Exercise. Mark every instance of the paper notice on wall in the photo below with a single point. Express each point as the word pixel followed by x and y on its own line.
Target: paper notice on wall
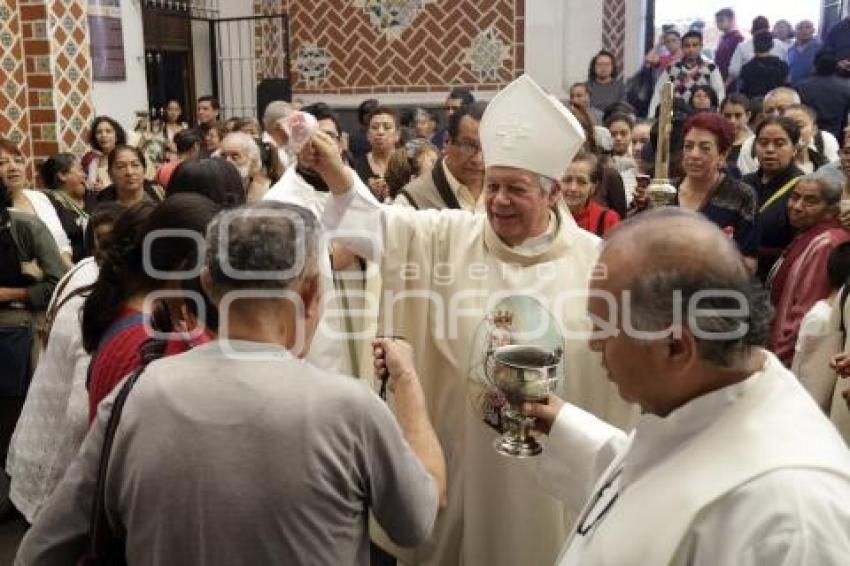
pixel 107 40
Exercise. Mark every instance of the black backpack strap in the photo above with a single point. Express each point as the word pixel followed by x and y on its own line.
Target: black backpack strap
pixel 409 198
pixel 54 307
pixel 104 546
pixel 442 184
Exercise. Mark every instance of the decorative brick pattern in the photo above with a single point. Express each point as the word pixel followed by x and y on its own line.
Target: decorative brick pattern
pixel 391 17
pixel 614 30
pixel 269 47
pixel 468 42
pixel 14 102
pixel 72 73
pixel 38 79
pixel 45 100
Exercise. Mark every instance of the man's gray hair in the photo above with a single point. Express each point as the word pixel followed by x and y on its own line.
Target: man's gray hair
pixel 265 245
pixel 784 90
pixel 546 184
pixel 725 309
pixel 830 191
pixel 274 112
pixel 248 144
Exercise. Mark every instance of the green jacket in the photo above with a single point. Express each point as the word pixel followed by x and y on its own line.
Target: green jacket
pixel 34 242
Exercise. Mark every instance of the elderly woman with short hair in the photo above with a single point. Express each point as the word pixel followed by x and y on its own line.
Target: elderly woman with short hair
pixel 799 279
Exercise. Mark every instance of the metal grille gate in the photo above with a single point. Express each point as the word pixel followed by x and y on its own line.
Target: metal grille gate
pixel 238 52
pixel 247 51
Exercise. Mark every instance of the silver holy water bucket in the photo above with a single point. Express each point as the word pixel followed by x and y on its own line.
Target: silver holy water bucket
pixel 523 373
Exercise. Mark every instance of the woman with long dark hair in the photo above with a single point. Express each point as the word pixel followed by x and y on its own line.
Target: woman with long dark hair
pixel 216 179
pixel 603 85
pixel 777 140
pixel 104 136
pixel 117 314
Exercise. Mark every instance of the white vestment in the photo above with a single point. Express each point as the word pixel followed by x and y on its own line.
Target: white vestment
pixel 55 416
pixel 751 474
pixel 343 339
pixel 453 271
pixel 812 365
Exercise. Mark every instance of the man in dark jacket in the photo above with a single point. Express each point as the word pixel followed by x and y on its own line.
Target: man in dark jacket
pixel 457 179
pixel 766 71
pixel 730 39
pixel 827 94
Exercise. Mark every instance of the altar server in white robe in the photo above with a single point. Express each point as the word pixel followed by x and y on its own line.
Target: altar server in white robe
pixel 732 462
pixel 343 339
pixel 447 275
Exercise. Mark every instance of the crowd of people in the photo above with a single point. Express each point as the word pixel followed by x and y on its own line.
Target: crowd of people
pixel 156 401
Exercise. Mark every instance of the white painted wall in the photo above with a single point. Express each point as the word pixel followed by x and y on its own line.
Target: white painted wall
pixel 546 42
pixel 122 99
pixel 561 36
pixel 202 58
pixel 635 36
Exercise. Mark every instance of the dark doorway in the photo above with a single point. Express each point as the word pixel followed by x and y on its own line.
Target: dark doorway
pixel 169 64
pixel 169 77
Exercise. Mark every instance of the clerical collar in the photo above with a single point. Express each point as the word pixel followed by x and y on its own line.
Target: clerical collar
pixel 656 437
pixel 538 244
pixel 312 178
pixel 552 245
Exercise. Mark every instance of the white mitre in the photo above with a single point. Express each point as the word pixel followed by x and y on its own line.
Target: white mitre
pixel 526 128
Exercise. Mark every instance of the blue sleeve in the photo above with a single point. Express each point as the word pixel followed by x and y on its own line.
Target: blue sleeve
pixel 748 237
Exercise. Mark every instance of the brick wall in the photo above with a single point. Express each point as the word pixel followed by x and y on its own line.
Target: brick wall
pixel 39 79
pixel 360 47
pixel 269 46
pixel 45 99
pixel 14 112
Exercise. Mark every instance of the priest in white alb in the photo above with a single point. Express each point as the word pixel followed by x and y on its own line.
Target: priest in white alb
pixel 449 278
pixel 343 340
pixel 732 462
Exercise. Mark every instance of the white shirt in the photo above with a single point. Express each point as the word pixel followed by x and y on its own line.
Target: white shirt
pixel 47 214
pixel 54 419
pixel 344 292
pixel 814 325
pixel 749 163
pixel 462 192
pixel 786 516
pixel 745 52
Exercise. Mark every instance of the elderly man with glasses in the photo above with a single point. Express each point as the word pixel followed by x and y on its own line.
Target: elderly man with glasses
pixel 457 179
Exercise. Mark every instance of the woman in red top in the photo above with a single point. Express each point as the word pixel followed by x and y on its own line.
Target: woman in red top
pixel 117 317
pixel 578 185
